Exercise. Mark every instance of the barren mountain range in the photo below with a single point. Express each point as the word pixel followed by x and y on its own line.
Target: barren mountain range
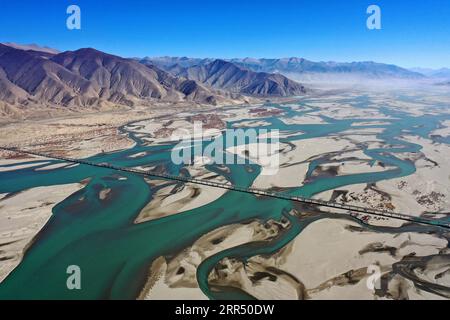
pixel 299 68
pixel 90 78
pixel 222 74
pixel 35 77
pixel 41 77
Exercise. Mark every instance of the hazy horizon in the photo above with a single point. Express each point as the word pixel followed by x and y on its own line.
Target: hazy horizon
pixel 412 35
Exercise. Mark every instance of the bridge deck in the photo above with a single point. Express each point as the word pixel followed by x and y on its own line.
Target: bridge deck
pixel 278 195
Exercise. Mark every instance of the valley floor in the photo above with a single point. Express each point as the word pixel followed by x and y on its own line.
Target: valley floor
pixel 330 258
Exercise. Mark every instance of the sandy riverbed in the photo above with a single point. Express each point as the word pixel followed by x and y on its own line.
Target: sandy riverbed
pixel 22 216
pixel 336 267
pixel 425 191
pixel 175 279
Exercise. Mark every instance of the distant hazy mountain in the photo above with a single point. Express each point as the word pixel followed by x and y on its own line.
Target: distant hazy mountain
pixel 443 73
pixel 169 62
pixel 89 78
pixel 302 66
pixel 302 69
pixel 225 75
pixel 445 83
pixel 424 71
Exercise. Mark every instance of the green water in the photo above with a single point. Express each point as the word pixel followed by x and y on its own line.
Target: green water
pixel 114 254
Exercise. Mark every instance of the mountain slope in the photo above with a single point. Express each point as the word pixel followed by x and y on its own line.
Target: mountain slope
pixel 42 79
pixel 31 47
pixel 9 92
pixel 226 75
pixel 117 79
pixel 89 78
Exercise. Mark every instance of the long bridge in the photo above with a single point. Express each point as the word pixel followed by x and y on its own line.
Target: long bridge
pixel 255 191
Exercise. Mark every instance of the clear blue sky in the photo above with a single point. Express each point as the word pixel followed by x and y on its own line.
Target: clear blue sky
pixel 415 33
